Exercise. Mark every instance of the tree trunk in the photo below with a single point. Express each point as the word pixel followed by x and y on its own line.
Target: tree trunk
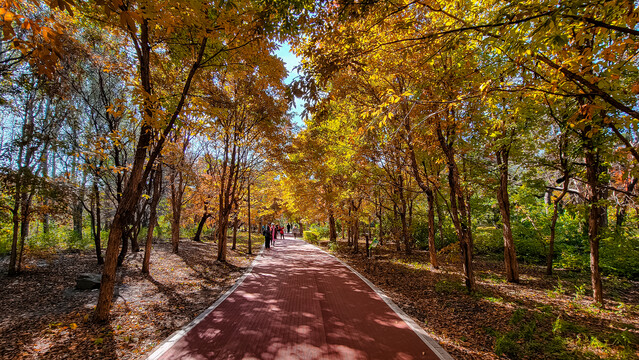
pixel 368 245
pixel 432 251
pixel 250 251
pixel 13 259
pixel 356 225
pixel 235 223
pixel 24 222
pixel 77 219
pixel 593 172
pixel 622 209
pixel 459 211
pixel 402 217
pixel 177 194
pixel 155 199
pixel 510 255
pixel 221 238
pixel 395 236
pixel 331 223
pixel 45 173
pixel 125 244
pixel 200 226
pixel 379 218
pixel 440 220
pixel 553 225
pixel 135 230
pixel 349 232
pixel 356 236
pixel 97 226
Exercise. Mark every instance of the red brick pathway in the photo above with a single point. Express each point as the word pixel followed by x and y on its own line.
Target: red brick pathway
pixel 300 303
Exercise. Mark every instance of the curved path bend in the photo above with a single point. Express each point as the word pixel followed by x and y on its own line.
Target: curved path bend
pixel 299 302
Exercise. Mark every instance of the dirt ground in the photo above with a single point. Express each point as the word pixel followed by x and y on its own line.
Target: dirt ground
pixel 44 317
pixel 543 317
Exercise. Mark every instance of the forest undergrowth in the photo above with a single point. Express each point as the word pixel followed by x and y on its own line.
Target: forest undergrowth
pixel 44 317
pixel 543 317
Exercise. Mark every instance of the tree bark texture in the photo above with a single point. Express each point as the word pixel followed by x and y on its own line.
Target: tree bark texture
pixel 177 193
pixel 553 225
pixel 510 255
pixel 155 199
pixel 459 210
pixel 332 233
pixel 593 171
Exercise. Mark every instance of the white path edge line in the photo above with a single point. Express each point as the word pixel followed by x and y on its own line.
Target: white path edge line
pixel 421 333
pixel 176 336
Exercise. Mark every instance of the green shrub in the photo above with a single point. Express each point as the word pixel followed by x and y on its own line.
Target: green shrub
pixel 74 241
pixel 311 237
pixel 570 259
pixel 528 340
pixel 488 240
pixel 420 234
pixel 619 254
pixel 333 246
pixel 506 344
pixel 321 231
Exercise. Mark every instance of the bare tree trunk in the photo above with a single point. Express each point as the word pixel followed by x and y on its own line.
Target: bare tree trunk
pixel 250 251
pixel 96 223
pixel 155 199
pixel 235 222
pixel 368 246
pixel 432 251
pixel 356 236
pixel 621 210
pixel 200 226
pixel 356 225
pixel 510 255
pixel 459 211
pixel 349 234
pixel 394 229
pixel 593 171
pixel 379 218
pixel 176 181
pixel 13 259
pixel 24 223
pixel 77 208
pixel 440 220
pixel 553 225
pixel 45 173
pixel 331 223
pixel 221 238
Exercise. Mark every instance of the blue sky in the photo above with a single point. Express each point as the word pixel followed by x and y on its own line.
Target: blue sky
pixel 291 61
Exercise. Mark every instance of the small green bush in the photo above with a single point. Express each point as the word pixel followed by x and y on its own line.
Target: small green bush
pixel 488 240
pixel 321 231
pixel 506 344
pixel 311 237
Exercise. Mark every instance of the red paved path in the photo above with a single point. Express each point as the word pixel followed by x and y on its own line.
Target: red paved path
pixel 300 303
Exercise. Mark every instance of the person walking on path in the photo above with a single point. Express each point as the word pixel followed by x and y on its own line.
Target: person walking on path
pixel 281 232
pixel 273 233
pixel 288 228
pixel 267 238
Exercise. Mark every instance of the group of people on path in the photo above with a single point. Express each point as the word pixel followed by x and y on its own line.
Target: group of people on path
pixel 271 232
